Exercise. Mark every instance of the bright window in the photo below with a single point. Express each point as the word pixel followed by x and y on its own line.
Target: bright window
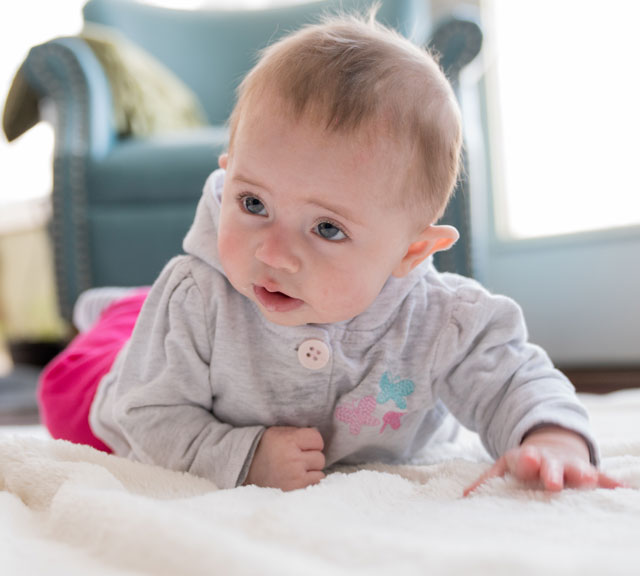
pixel 26 163
pixel 564 114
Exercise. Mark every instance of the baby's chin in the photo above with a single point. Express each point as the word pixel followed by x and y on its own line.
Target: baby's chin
pixel 286 322
pixel 299 317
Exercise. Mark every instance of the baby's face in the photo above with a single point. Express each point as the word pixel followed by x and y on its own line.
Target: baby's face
pixel 307 229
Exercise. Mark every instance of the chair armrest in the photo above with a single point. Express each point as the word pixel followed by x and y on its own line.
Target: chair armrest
pixel 65 74
pixel 457 40
pixel 64 80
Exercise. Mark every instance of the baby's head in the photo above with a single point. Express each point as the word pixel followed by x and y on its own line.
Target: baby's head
pixel 344 150
pixel 354 78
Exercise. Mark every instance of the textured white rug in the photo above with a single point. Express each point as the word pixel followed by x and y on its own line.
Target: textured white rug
pixel 67 509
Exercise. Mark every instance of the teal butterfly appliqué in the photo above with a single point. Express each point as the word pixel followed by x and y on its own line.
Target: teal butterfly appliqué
pixel 396 390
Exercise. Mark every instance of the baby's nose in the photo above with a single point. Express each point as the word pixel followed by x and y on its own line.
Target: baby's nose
pixel 277 250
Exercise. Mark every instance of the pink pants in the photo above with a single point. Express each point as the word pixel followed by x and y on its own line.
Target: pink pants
pixel 69 382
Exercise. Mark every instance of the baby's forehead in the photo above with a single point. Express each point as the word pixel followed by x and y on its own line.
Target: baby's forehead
pixel 267 127
pixel 375 132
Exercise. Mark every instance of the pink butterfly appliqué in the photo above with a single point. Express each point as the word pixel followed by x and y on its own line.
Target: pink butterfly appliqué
pixel 358 415
pixel 393 419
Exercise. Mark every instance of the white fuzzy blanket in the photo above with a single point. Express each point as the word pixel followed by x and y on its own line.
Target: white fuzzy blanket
pixel 70 510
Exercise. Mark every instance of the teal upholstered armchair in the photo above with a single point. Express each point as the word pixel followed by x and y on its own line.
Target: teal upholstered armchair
pixel 135 139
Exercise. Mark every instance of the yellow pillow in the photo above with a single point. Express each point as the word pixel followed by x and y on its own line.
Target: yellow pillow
pixel 147 97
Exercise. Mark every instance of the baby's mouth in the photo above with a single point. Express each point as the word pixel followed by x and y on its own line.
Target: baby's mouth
pixel 276 301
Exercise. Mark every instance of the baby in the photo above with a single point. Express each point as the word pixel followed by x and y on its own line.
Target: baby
pixel 306 325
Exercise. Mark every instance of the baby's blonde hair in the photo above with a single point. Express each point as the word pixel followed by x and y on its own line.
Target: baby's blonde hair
pixel 350 75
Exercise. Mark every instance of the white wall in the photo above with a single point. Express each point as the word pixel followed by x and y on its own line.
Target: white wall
pixel 580 295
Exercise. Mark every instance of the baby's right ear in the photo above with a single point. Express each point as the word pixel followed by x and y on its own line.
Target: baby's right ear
pixel 223 160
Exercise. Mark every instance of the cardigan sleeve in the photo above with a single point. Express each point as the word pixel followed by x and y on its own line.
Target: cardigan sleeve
pixel 497 383
pixel 161 392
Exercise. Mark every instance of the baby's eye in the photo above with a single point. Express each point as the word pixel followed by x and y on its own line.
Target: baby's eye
pixel 253 205
pixel 330 231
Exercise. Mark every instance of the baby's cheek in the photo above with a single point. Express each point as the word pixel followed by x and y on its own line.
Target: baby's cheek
pixel 350 296
pixel 229 251
pixel 367 289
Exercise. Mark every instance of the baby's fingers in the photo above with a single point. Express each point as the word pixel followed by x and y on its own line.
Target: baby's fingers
pixel 581 475
pixel 498 470
pixel 552 474
pixel 605 481
pixel 314 460
pixel 584 475
pixel 522 463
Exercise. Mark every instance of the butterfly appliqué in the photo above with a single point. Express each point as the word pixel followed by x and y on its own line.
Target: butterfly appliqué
pixel 358 414
pixel 392 419
pixel 395 390
pixel 361 413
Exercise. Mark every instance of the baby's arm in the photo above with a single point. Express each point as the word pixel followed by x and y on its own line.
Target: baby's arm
pixel 288 458
pixel 498 384
pixel 553 457
pixel 158 407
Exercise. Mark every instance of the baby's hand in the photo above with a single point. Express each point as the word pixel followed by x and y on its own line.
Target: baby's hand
pixel 554 457
pixel 287 458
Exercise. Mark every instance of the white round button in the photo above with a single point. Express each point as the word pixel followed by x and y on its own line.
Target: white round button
pixel 313 354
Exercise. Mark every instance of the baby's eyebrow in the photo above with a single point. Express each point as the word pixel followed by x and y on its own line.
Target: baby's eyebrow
pixel 246 180
pixel 339 210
